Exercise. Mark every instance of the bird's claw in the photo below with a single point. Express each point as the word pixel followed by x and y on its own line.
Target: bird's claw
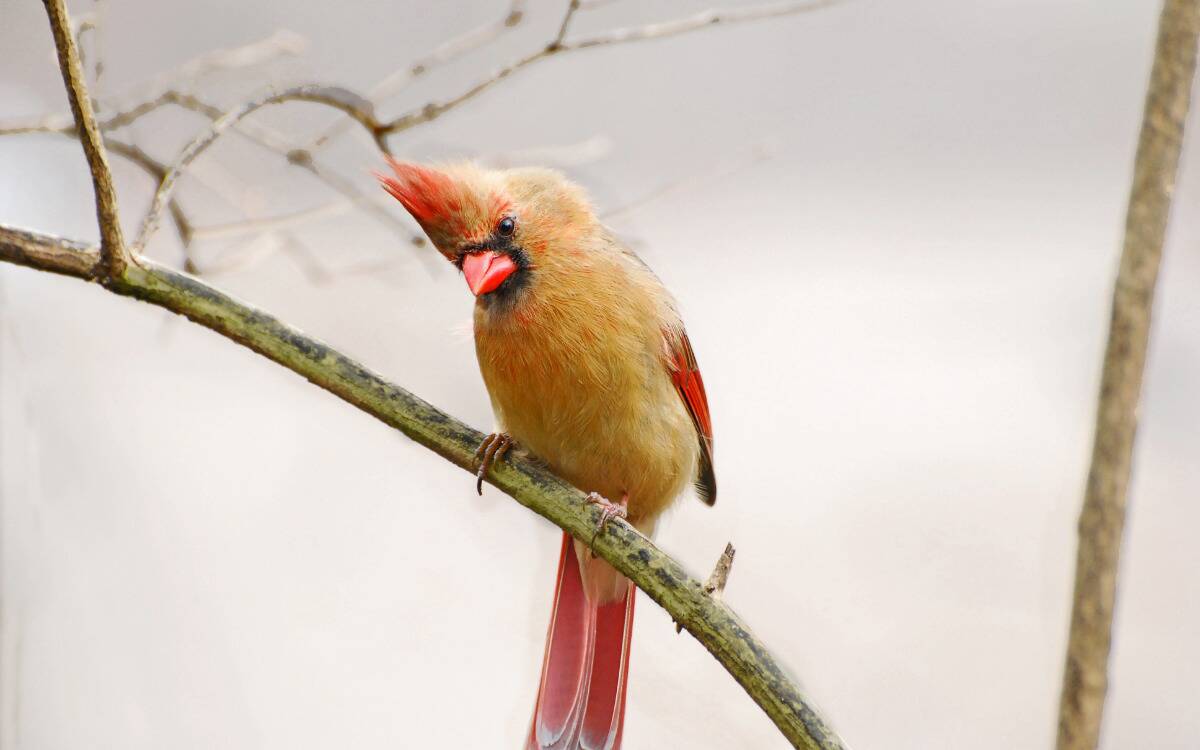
pixel 490 452
pixel 608 511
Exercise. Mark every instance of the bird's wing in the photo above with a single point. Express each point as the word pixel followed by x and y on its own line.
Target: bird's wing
pixel 685 373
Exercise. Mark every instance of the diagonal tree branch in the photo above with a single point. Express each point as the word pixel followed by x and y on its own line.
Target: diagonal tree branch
pixel 1102 521
pixel 112 245
pixel 664 580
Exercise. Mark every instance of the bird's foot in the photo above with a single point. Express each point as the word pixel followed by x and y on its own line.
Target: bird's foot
pixel 608 511
pixel 491 451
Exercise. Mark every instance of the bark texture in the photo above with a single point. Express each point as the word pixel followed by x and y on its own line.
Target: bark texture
pixel 1085 678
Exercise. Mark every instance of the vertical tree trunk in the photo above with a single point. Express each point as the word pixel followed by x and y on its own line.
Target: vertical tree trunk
pixel 1085 680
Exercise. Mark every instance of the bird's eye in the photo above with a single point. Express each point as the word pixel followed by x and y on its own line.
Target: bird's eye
pixel 507 226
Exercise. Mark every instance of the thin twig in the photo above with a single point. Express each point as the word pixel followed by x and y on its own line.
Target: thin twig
pixel 572 9
pixel 112 244
pixel 119 119
pixel 366 201
pixel 444 53
pixel 359 109
pixel 715 586
pixel 342 99
pixel 1101 523
pixel 435 109
pixel 158 170
pixel 91 22
pixel 701 20
pixel 726 635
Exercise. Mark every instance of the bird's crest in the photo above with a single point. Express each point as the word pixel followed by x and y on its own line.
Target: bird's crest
pixel 454 206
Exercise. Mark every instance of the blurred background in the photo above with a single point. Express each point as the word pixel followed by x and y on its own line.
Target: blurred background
pixel 892 229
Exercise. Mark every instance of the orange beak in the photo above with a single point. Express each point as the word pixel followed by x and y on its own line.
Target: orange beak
pixel 486 270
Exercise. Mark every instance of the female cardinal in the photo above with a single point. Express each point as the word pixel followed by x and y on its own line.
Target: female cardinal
pixel 588 367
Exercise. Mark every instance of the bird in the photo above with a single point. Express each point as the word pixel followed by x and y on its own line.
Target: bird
pixel 588 368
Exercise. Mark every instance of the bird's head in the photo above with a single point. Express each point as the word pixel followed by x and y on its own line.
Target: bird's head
pixel 501 228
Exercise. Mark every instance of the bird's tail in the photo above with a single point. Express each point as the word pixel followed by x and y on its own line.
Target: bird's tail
pixel 581 701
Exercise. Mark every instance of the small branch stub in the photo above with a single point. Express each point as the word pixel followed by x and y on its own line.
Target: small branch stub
pixel 720 575
pixel 715 586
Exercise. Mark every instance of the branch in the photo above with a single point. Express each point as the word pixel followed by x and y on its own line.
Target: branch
pixel 572 9
pixel 715 586
pixel 442 54
pixel 433 110
pixel 346 101
pixel 112 245
pixel 1085 679
pixel 699 21
pixel 713 623
pixel 158 170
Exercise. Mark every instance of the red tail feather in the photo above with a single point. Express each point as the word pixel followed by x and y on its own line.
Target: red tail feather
pixel 581 701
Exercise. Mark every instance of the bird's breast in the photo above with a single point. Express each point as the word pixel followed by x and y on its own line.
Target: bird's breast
pixel 585 389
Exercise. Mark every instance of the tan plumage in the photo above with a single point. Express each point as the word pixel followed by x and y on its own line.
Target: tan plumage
pixel 576 374
pixel 588 367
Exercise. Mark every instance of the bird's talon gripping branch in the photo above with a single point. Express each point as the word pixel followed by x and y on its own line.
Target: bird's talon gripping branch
pixel 491 451
pixel 608 511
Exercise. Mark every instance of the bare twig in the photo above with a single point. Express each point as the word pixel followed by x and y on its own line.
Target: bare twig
pixel 341 99
pixel 263 137
pixel 442 54
pixel 728 637
pixel 112 244
pixel 720 575
pixel 1085 678
pixel 700 21
pixel 90 22
pixel 433 110
pixel 158 170
pixel 171 96
pixel 366 201
pixel 119 119
pixel 360 111
pixel 715 586
pixel 572 9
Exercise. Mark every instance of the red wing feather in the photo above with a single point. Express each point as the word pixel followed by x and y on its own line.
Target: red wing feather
pixel 685 373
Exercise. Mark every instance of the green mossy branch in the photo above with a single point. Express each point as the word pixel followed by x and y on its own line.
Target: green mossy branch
pixel 664 580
